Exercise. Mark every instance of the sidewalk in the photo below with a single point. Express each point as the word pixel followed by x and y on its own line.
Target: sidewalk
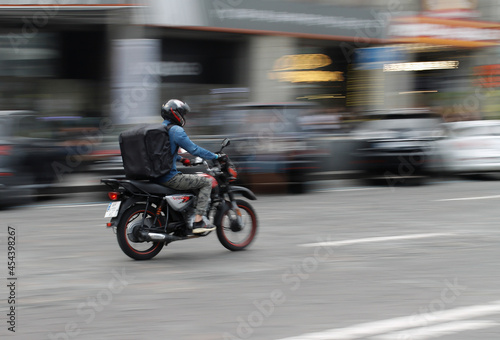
pixel 76 183
pixel 88 182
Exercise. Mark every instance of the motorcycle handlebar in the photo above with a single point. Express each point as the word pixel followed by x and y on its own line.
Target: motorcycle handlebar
pixel 200 161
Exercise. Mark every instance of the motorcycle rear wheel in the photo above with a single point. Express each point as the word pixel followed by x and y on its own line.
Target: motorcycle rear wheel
pixel 127 233
pixel 233 236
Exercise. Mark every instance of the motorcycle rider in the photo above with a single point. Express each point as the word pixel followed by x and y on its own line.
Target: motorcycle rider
pixel 174 112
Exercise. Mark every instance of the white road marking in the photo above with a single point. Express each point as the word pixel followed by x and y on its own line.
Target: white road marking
pixel 437 331
pixel 468 198
pixel 344 189
pixel 361 331
pixel 373 239
pixel 76 205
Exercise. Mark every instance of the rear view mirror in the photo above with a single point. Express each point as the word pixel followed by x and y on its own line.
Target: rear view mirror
pixel 225 143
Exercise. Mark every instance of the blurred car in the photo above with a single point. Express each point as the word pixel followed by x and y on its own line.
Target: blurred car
pixel 270 145
pixel 26 155
pixel 37 152
pixel 398 144
pixel 471 147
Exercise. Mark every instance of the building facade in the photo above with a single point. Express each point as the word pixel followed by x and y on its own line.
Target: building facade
pixel 123 58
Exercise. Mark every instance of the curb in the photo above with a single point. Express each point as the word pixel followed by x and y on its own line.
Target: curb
pixel 93 184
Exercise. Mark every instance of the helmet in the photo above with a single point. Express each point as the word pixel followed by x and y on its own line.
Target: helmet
pixel 175 110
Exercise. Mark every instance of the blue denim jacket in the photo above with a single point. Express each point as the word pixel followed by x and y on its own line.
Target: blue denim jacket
pixel 179 138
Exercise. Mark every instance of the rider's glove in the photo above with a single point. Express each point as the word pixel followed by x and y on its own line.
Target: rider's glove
pixel 222 157
pixel 185 161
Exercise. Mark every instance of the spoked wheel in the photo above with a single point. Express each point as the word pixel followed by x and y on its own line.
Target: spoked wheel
pixel 128 233
pixel 233 235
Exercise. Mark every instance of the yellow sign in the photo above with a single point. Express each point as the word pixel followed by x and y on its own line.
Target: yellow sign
pixel 290 68
pixel 307 76
pixel 301 62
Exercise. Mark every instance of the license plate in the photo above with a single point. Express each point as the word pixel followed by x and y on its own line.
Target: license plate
pixel 113 208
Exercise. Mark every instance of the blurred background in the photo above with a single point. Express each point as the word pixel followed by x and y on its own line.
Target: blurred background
pixel 308 90
pixel 334 101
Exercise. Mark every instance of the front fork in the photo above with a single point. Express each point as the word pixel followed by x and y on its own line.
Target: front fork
pixel 234 207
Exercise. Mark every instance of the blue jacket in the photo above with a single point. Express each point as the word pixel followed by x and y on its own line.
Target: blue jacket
pixel 179 138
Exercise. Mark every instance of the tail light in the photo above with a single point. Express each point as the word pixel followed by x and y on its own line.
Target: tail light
pixel 5 150
pixel 114 196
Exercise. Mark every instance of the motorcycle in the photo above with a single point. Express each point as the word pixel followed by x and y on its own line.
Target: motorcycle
pixel 147 216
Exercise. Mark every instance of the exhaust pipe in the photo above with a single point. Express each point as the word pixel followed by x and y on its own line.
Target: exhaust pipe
pixel 159 237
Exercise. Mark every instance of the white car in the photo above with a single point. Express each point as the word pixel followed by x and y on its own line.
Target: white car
pixel 471 147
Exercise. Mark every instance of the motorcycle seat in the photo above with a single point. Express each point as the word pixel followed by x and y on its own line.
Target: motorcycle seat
pixel 151 188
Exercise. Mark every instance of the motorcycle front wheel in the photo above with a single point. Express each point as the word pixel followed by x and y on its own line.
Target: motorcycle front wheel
pixel 231 234
pixel 127 233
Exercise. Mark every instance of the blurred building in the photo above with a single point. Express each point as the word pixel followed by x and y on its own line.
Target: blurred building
pixel 262 51
pixel 55 55
pixel 451 50
pixel 122 58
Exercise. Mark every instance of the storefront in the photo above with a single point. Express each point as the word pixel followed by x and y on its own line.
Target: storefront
pixel 55 58
pixel 448 52
pixel 277 51
pixel 207 73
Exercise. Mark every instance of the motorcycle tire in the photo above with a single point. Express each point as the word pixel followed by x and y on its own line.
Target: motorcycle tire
pixel 130 222
pixel 232 236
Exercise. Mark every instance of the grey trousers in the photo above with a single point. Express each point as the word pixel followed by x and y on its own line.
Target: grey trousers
pixel 193 182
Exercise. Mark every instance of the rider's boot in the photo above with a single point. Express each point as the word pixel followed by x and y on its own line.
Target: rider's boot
pixel 202 226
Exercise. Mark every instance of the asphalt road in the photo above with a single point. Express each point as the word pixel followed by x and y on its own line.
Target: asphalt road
pixel 341 262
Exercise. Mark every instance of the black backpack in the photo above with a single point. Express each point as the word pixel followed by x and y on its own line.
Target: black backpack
pixel 146 151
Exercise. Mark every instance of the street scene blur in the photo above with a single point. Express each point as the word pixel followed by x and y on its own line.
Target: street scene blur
pixel 293 81
pixel 368 130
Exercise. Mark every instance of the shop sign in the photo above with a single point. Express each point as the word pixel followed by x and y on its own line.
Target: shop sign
pixel 174 68
pixel 438 31
pixel 421 66
pixel 304 68
pixel 373 58
pixel 193 70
